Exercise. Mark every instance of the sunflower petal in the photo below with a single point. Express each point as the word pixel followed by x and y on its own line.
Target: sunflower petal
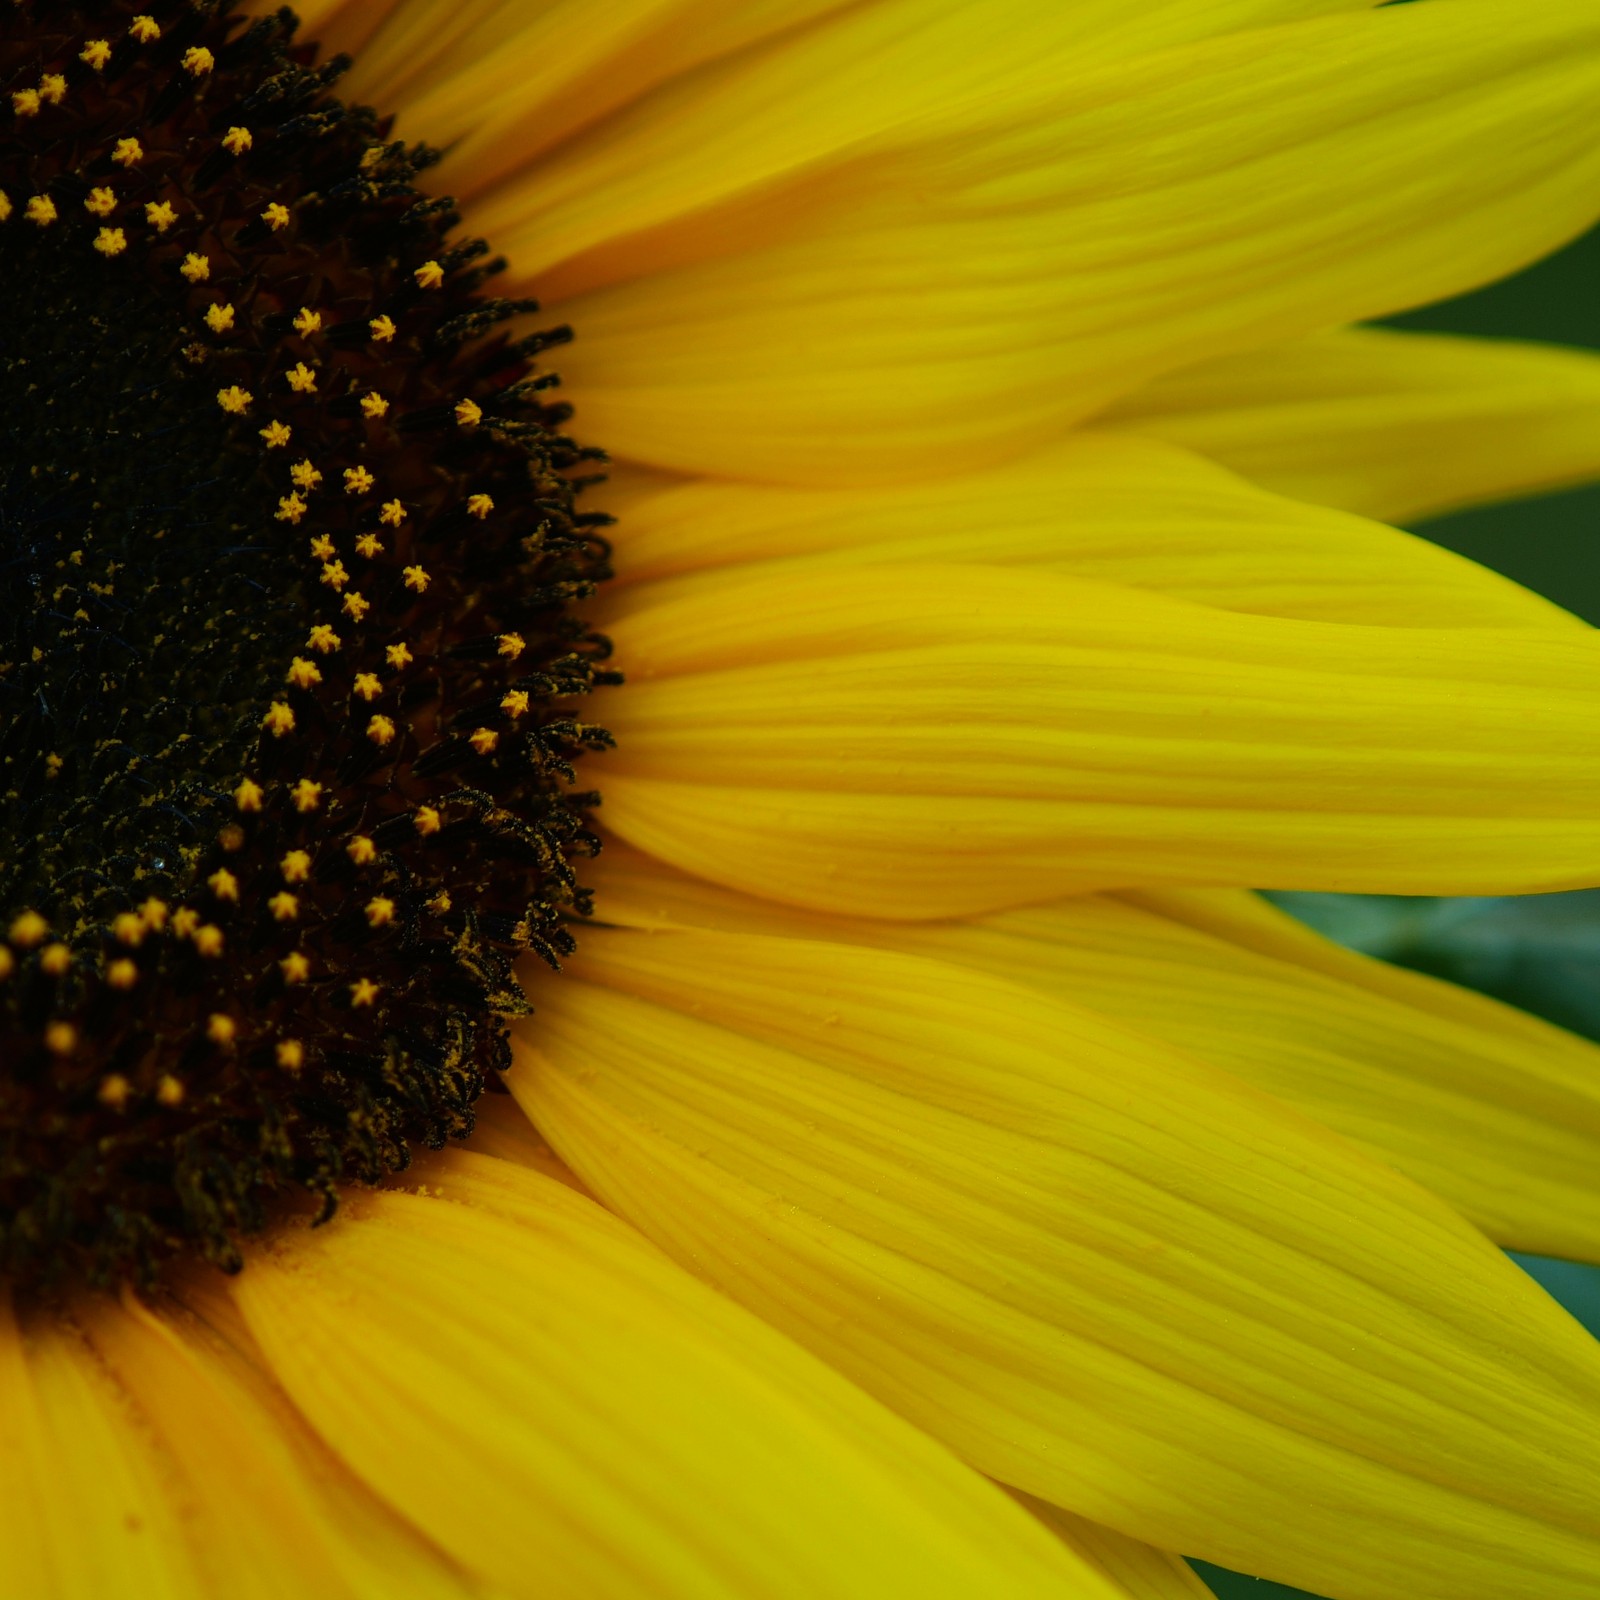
pixel 1144 1571
pixel 943 304
pixel 571 1416
pixel 945 740
pixel 1099 505
pixel 1392 425
pixel 89 1512
pixel 1108 1275
pixel 271 1514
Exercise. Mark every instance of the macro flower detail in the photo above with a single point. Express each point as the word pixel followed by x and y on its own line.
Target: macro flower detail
pixel 923 1166
pixel 154 625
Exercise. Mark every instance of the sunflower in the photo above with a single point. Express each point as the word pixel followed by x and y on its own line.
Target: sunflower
pixel 932 1172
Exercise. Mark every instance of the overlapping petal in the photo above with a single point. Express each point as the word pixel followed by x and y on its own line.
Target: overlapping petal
pixel 1102 505
pixel 1146 1573
pixel 1389 424
pixel 1109 1275
pixel 970 738
pixel 950 283
pixel 1494 1110
pixel 571 1417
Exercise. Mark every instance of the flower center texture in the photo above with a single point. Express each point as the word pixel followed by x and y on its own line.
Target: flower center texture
pixel 289 645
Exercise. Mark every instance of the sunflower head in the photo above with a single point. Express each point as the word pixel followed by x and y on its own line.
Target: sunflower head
pixel 289 655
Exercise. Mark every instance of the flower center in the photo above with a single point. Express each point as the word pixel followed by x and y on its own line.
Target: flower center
pixel 285 685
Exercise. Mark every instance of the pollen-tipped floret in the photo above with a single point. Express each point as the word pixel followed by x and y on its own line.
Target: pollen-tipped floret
pixel 287 785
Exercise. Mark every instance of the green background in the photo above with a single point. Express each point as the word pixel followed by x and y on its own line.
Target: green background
pixel 1541 952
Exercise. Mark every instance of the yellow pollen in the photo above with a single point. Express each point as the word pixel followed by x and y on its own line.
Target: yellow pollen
pixel 483 740
pixel 305 475
pixel 303 674
pixel 276 216
pixel 279 719
pixel 231 837
pixel 284 906
pixel 159 214
pixel 440 903
pixel 5 205
pixel 219 319
pixel 223 884
pixel 301 378
pixel 430 275
pixel 248 795
pixel 322 547
pixel 234 400
pixel 357 480
pixel 237 140
pixel 25 102
pixel 127 153
pixel 111 241
pixel 96 54
pixel 363 992
pixel 397 655
pixel 114 1088
pixel 8 963
pixel 367 685
pixel 154 913
pixel 369 545
pixel 145 29
pixel 417 579
pixel 55 959
pixel 427 820
pixel 323 639
pixel 392 513
pixel 276 434
pixel 184 921
pixel 383 328
pixel 469 414
pixel 198 60
pixel 296 866
pixel 515 703
pixel 380 730
pixel 295 967
pixel 169 1091
pixel 512 645
pixel 373 404
pixel 380 911
pixel 122 974
pixel 479 506
pixel 208 940
pixel 29 929
pixel 53 88
pixel 196 268
pixel 306 794
pixel 41 209
pixel 220 1028
pixel 128 927
pixel 101 202
pixel 291 1053
pixel 61 1039
pixel 334 574
pixel 307 322
pixel 54 762
pixel 357 605
pixel 290 508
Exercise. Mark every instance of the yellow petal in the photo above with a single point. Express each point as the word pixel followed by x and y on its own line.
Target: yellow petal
pixel 1108 1275
pixel 928 741
pixel 1145 1572
pixel 1494 1110
pixel 937 306
pixel 89 1508
pixel 571 1417
pixel 1099 505
pixel 1392 425
pixel 271 1515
